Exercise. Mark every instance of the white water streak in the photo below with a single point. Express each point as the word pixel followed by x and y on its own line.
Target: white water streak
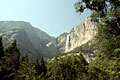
pixel 67 42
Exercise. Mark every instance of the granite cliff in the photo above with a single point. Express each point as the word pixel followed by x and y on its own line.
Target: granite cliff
pixel 30 40
pixel 37 43
pixel 78 36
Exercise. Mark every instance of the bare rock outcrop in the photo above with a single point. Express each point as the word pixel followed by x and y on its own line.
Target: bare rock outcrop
pixel 79 35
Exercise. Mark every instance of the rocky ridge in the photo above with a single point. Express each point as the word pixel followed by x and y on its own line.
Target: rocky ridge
pixel 30 40
pixel 79 35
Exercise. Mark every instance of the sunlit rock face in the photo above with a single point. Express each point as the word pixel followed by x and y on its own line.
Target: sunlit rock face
pixel 79 35
pixel 82 33
pixel 37 43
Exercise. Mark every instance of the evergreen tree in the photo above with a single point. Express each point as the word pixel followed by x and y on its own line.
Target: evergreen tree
pixel 12 49
pixel 43 67
pixel 26 70
pixel 13 55
pixel 10 63
pixel 1 48
pixel 31 69
pixel 68 68
pixel 38 67
pixel 107 15
pixel 106 65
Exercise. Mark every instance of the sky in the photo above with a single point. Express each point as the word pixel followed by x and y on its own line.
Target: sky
pixel 52 16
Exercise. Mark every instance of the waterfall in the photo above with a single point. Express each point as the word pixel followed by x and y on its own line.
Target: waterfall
pixel 67 42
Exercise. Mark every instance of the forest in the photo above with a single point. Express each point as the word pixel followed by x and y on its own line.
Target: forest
pixel 106 66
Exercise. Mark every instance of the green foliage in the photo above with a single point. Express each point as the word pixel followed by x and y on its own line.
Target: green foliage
pixel 106 65
pixel 107 45
pixel 85 48
pixel 109 48
pixel 30 69
pixel 12 48
pixel 14 67
pixel 68 68
pixel 9 63
pixel 26 70
pixel 1 48
pixel 106 13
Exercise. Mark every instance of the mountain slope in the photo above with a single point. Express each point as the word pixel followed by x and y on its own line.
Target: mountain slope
pixel 29 39
pixel 79 35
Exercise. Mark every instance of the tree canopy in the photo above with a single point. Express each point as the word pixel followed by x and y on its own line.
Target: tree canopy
pixel 106 48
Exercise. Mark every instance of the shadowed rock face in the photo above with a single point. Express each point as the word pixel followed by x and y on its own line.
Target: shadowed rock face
pixel 79 35
pixel 37 43
pixel 30 40
pixel 57 45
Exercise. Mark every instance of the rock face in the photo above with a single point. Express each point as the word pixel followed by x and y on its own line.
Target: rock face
pixel 79 35
pixel 57 45
pixel 82 33
pixel 30 40
pixel 37 43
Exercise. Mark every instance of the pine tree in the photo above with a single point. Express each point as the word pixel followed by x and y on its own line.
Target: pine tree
pixel 38 67
pixel 11 61
pixel 12 49
pixel 43 67
pixel 27 69
pixel 107 15
pixel 68 68
pixel 1 48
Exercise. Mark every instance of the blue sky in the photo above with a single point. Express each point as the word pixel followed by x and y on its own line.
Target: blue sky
pixel 52 16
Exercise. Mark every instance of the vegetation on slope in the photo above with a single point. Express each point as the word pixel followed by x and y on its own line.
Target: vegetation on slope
pixel 106 66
